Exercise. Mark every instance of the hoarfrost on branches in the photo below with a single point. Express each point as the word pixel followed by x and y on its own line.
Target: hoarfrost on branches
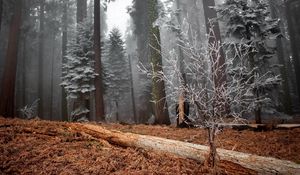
pixel 79 69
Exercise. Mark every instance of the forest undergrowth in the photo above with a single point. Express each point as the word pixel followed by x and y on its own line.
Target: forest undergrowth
pixel 45 147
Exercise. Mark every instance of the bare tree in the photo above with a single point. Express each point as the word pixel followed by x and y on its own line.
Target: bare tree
pixel 202 89
pixel 210 17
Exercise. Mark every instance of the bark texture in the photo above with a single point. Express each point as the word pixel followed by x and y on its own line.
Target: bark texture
pixel 285 96
pixel 158 86
pixel 1 8
pixel 64 103
pixel 41 58
pixel 9 76
pixel 293 12
pixel 99 104
pixel 262 165
pixel 10 68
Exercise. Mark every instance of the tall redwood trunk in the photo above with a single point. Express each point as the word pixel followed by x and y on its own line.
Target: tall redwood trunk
pixel 10 69
pixel 99 104
pixel 285 96
pixel 64 108
pixel 293 12
pixel 158 86
pixel 132 92
pixel 41 57
pixel 81 12
pixel 52 34
pixel 1 8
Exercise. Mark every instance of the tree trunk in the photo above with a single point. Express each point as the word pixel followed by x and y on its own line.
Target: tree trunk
pixel 52 76
pixel 258 110
pixel 181 114
pixel 81 12
pixel 1 8
pixel 24 73
pixel 181 99
pixel 10 69
pixel 99 102
pixel 64 105
pixel 117 110
pixel 158 86
pixel 132 91
pixel 293 12
pixel 41 58
pixel 262 165
pixel 140 19
pixel 285 97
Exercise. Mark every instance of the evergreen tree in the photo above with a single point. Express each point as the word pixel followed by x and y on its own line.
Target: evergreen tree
pixel 250 23
pixel 116 69
pixel 79 70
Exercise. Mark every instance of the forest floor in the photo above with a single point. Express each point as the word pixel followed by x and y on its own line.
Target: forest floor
pixel 44 147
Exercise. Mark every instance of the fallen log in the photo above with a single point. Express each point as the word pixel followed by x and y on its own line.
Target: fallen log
pixel 259 127
pixel 262 165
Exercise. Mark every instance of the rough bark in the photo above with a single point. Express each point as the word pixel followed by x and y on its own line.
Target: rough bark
pixel 140 19
pixel 26 16
pixel 81 12
pixel 285 97
pixel 181 98
pixel 64 104
pixel 10 69
pixel 99 102
pixel 1 8
pixel 41 58
pixel 158 86
pixel 132 91
pixel 117 110
pixel 51 117
pixel 293 12
pixel 262 165
pixel 180 110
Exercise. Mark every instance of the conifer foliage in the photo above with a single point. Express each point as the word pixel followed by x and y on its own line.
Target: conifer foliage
pixel 116 68
pixel 79 70
pixel 249 23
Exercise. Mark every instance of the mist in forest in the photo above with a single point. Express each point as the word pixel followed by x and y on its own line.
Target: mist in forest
pixel 142 61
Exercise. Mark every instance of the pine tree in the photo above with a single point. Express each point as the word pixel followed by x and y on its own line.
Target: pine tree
pixel 250 23
pixel 79 72
pixel 116 69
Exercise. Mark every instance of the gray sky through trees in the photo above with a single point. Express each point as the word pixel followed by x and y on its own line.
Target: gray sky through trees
pixel 117 15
